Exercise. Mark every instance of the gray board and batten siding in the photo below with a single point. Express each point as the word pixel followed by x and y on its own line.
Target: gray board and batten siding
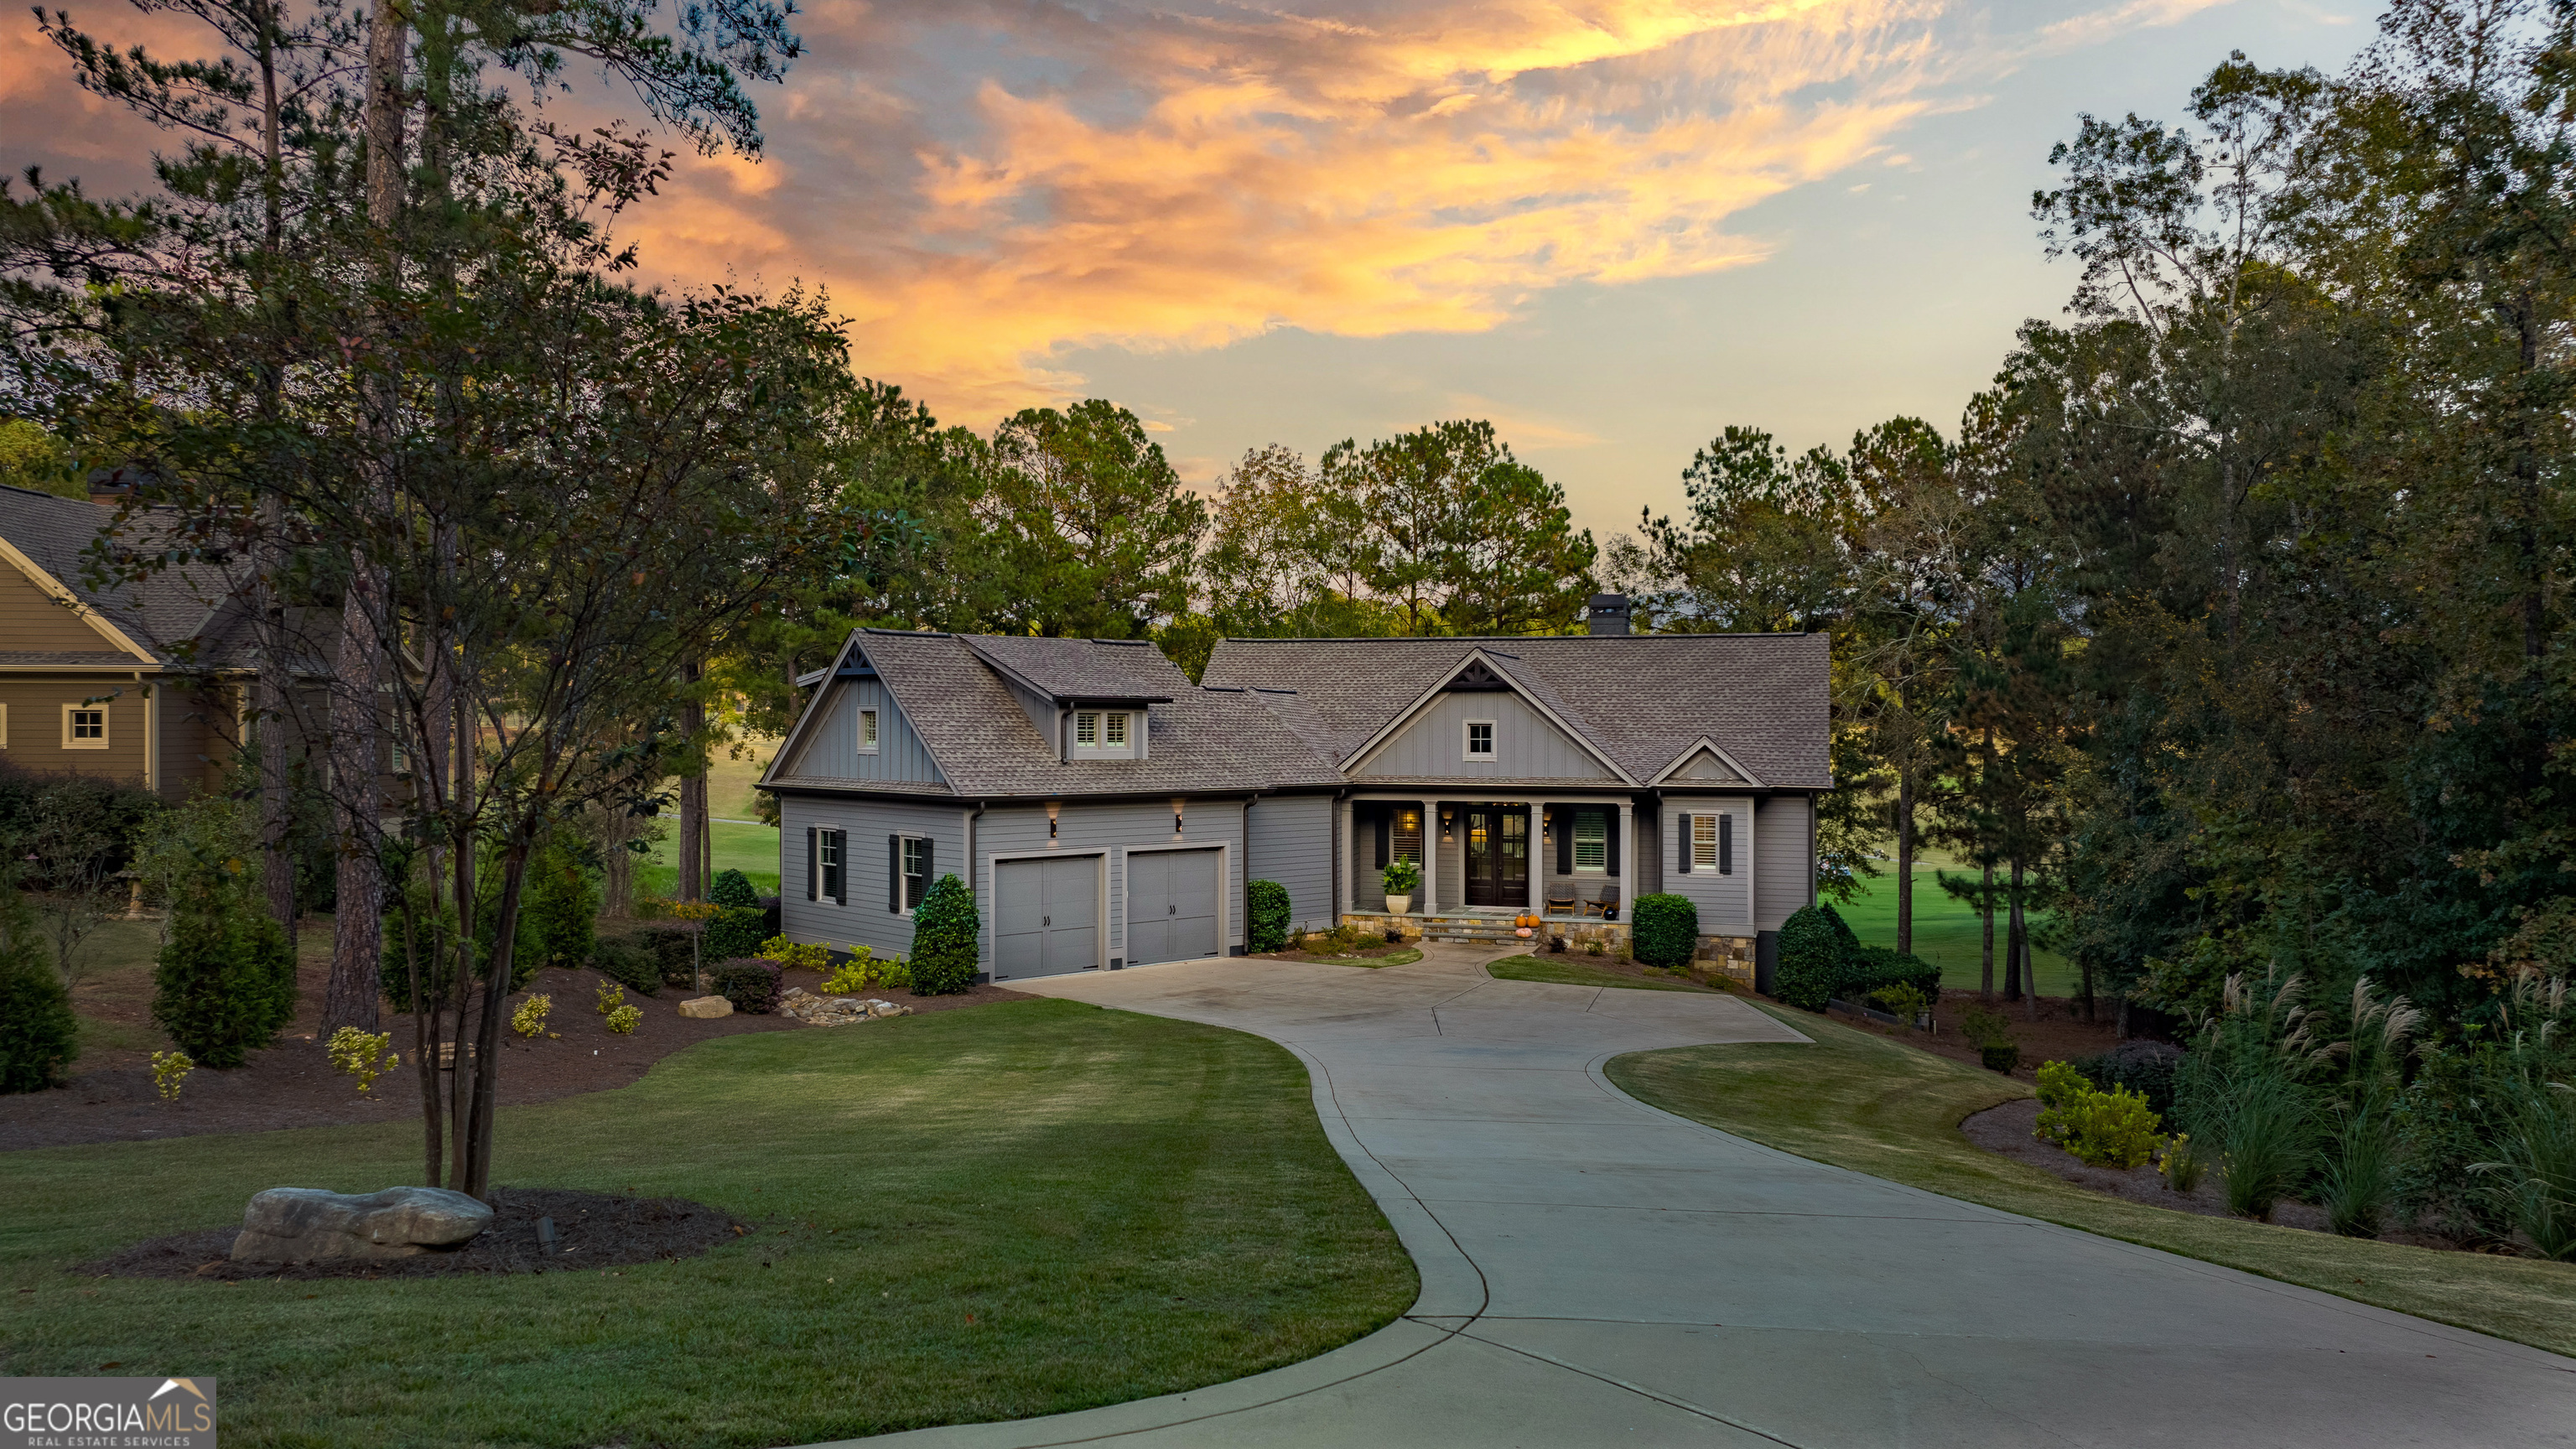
pixel 1115 831
pixel 1527 746
pixel 869 917
pixel 1289 839
pixel 1784 860
pixel 831 750
pixel 1724 898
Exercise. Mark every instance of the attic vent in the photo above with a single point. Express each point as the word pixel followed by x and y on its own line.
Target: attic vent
pixel 1475 677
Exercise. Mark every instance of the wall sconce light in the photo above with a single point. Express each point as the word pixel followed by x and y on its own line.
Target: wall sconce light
pixel 1447 820
pixel 1051 809
pixel 1176 816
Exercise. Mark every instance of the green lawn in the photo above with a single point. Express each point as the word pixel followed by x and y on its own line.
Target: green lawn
pixel 1403 957
pixel 1018 1209
pixel 1570 972
pixel 1875 1106
pixel 751 849
pixel 1946 932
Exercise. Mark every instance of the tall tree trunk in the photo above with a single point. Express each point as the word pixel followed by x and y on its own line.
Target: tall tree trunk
pixel 269 710
pixel 461 842
pixel 487 1037
pixel 690 854
pixel 1905 857
pixel 1986 917
pixel 356 720
pixel 2016 953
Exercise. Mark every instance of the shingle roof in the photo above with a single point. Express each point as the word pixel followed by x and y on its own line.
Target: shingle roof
pixel 1641 699
pixel 169 607
pixel 1202 740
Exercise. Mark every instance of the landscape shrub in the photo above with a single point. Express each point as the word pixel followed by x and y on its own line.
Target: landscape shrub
pixel 863 971
pixel 169 1071
pixel 225 983
pixel 624 1020
pixel 362 1054
pixel 2239 1093
pixel 944 932
pixel 733 888
pixel 562 906
pixel 1991 1033
pixel 39 1036
pixel 735 933
pixel 611 997
pixel 1666 928
pixel 78 827
pixel 2140 1065
pixel 530 1018
pixel 2102 1129
pixel 1813 947
pixel 792 956
pixel 672 948
pixel 770 914
pixel 750 983
pixel 1905 1001
pixel 1265 917
pixel 629 961
pixel 1868 970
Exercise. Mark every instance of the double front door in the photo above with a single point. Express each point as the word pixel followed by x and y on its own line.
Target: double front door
pixel 1497 851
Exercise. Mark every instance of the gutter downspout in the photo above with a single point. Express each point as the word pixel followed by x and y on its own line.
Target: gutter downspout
pixel 974 888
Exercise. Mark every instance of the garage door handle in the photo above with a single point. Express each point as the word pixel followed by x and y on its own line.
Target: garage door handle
pixel 1174 910
pixel 1046 920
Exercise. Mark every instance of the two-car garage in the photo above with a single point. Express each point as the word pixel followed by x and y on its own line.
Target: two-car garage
pixel 1048 910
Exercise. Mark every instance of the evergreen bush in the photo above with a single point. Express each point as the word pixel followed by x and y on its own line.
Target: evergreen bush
pixel 736 931
pixel 944 932
pixel 733 888
pixel 2142 1066
pixel 1265 909
pixel 1814 946
pixel 629 962
pixel 226 980
pixel 1666 929
pixel 750 983
pixel 38 1034
pixel 562 904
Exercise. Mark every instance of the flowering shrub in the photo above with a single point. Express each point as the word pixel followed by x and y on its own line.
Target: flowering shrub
pixel 530 1019
pixel 803 958
pixel 169 1069
pixel 363 1055
pixel 624 1020
pixel 2103 1129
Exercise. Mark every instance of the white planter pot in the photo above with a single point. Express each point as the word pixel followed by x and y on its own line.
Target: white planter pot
pixel 1399 905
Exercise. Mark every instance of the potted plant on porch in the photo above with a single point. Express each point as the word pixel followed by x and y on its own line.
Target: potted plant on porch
pixel 1401 878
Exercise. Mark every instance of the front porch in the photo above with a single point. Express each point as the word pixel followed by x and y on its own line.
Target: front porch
pixel 1574 857
pixel 1494 927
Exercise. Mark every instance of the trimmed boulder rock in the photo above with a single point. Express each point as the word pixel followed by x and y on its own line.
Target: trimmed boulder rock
pixel 814 1010
pixel 307 1224
pixel 706 1008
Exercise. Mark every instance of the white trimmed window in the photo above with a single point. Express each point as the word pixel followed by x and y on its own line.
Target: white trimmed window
pixel 1480 739
pixel 1086 729
pixel 1703 842
pixel 1099 734
pixel 1591 842
pixel 1113 729
pixel 867 732
pixel 85 726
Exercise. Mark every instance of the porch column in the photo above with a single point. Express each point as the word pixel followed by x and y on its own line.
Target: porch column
pixel 1627 857
pixel 1345 862
pixel 1430 902
pixel 1534 899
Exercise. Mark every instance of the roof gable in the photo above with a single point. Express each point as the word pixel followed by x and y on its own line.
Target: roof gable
pixel 1468 689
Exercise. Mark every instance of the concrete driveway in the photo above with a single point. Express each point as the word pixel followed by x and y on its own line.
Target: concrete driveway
pixel 1595 1271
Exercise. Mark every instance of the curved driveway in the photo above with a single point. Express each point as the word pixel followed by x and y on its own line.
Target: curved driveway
pixel 1595 1271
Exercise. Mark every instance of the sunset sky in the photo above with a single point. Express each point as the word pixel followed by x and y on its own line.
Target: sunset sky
pixel 1611 226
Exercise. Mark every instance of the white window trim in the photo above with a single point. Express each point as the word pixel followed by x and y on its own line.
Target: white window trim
pixel 867 732
pixel 904 867
pixel 4 724
pixel 1113 730
pixel 1493 740
pixel 1605 817
pixel 1703 833
pixel 1086 720
pixel 104 736
pixel 1128 723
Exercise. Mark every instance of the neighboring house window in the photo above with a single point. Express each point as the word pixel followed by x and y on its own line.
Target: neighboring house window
pixel 1480 739
pixel 1113 729
pixel 1086 729
pixel 1591 840
pixel 84 726
pixel 867 732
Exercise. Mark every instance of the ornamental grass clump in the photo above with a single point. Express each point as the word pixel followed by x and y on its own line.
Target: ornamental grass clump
pixel 2102 1129
pixel 2533 1172
pixel 363 1055
pixel 2243 1092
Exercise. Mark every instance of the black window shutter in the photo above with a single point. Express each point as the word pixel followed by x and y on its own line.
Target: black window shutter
pixel 813 862
pixel 894 872
pixel 1610 828
pixel 1561 820
pixel 839 875
pixel 1690 842
pixel 1384 822
pixel 929 872
pixel 1726 844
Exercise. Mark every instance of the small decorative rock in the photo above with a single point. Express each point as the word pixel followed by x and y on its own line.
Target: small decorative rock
pixel 302 1224
pixel 706 1008
pixel 815 1010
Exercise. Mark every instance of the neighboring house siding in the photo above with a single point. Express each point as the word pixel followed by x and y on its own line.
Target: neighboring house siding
pixel 1726 902
pixel 35 704
pixel 196 739
pixel 1526 745
pixel 867 920
pixel 31 618
pixel 830 751
pixel 1782 874
pixel 1110 829
pixel 1289 839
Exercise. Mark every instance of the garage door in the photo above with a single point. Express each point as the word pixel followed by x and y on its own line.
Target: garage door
pixel 1046 919
pixel 1171 905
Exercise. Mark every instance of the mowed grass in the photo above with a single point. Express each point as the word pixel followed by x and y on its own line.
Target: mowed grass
pixel 1577 973
pixel 1947 932
pixel 1875 1106
pixel 751 849
pixel 1019 1209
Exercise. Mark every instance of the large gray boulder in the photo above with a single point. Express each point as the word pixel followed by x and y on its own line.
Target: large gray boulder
pixel 306 1224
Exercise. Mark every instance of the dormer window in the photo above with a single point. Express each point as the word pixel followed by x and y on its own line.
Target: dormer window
pixel 1113 729
pixel 1104 734
pixel 1086 729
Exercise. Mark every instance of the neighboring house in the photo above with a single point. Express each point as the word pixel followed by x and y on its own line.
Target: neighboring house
pixel 1107 812
pixel 146 683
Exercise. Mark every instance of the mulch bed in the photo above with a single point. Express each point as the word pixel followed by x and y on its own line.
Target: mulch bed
pixel 1364 953
pixel 2048 1029
pixel 592 1231
pixel 292 1084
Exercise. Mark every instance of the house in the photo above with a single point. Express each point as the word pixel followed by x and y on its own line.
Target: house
pixel 1107 812
pixel 146 682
